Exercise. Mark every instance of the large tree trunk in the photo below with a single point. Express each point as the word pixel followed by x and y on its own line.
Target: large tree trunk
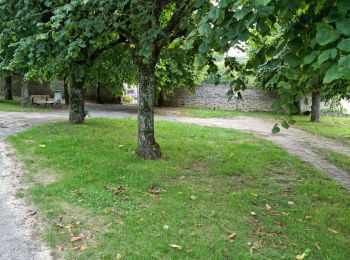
pixel 315 108
pixel 25 93
pixel 98 94
pixel 8 88
pixel 76 100
pixel 147 146
pixel 66 93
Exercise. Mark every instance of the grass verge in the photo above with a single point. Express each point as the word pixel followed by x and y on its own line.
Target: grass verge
pixel 218 193
pixel 15 106
pixel 338 159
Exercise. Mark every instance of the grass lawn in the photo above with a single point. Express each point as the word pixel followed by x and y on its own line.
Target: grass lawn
pixel 15 106
pixel 338 159
pixel 217 194
pixel 329 126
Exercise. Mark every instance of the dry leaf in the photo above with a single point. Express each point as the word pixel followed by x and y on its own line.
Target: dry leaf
pixel 118 190
pixel 31 212
pixel 119 256
pixel 82 247
pixel 300 257
pixel 60 248
pixel 154 190
pixel 268 207
pixel 193 197
pixel 232 237
pixel 42 146
pixel 155 197
pixel 166 227
pixel 121 146
pixel 59 226
pixel 332 231
pixel 290 203
pixel 75 239
pixel 176 246
pixel 253 213
pixel 318 246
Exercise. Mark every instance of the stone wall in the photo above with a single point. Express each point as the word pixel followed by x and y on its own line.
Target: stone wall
pixel 215 97
pixel 35 88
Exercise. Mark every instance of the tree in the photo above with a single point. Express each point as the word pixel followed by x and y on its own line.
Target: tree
pixel 68 40
pixel 71 36
pixel 8 88
pixel 297 54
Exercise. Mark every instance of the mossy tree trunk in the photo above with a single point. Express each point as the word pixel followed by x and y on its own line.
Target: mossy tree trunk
pixel 66 93
pixel 315 108
pixel 147 145
pixel 8 88
pixel 25 93
pixel 77 106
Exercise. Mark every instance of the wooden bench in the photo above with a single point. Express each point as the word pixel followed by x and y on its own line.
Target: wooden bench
pixel 42 100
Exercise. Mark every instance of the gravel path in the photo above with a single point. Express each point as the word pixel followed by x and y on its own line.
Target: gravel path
pixel 18 238
pixel 16 235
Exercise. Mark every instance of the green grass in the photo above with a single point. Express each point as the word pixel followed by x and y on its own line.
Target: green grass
pixel 338 159
pixel 329 126
pixel 15 106
pixel 86 181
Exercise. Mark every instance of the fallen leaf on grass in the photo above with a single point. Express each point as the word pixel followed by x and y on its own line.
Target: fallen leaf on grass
pixel 59 226
pixel 121 146
pixel 268 207
pixel 177 247
pixel 82 247
pixel 119 256
pixel 332 231
pixel 155 197
pixel 300 257
pixel 232 237
pixel 193 197
pixel 318 246
pixel 42 146
pixel 75 239
pixel 280 224
pixel 120 222
pixel 290 203
pixel 60 248
pixel 118 190
pixel 253 213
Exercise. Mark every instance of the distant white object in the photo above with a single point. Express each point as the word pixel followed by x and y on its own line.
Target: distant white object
pixel 346 105
pixel 58 97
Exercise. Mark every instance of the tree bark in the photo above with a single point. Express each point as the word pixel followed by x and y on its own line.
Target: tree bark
pixel 147 146
pixel 76 99
pixel 25 93
pixel 98 94
pixel 66 93
pixel 8 88
pixel 315 108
